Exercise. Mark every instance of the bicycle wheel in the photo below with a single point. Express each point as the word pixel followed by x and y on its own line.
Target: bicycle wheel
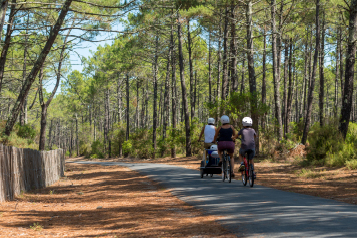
pixel 229 170
pixel 223 170
pixel 244 176
pixel 251 176
pixel 201 170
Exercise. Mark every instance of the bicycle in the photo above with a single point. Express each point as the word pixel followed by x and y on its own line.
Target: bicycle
pixel 247 173
pixel 226 167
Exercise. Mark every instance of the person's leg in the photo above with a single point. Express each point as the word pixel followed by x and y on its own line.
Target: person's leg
pixel 242 166
pixel 220 155
pixel 232 161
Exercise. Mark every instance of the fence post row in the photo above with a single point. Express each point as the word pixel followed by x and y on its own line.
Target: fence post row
pixel 22 170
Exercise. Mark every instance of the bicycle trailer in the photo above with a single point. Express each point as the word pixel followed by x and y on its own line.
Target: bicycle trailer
pixel 211 164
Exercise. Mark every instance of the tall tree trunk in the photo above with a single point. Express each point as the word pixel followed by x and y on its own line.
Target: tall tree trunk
pixel 77 140
pixel 127 108
pixel 290 88
pixel 305 80
pixel 155 71
pixel 189 48
pixel 219 57
pixel 137 104
pixel 336 79
pixel 50 137
pixel 3 8
pixel 225 57
pixel 264 90
pixel 349 72
pixel 195 92
pixel 42 142
pixel 147 104
pixel 312 86
pixel 251 70
pixel 106 117
pixel 285 98
pixel 142 115
pixel 119 98
pixel 183 89
pixel 242 86
pixel 173 86
pixel 209 68
pixel 166 95
pixel 38 64
pixel 322 80
pixel 23 115
pixel 341 61
pixel 7 41
pixel 234 75
pixel 276 75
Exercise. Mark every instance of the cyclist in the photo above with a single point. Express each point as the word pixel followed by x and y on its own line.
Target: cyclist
pixel 248 142
pixel 209 131
pixel 226 134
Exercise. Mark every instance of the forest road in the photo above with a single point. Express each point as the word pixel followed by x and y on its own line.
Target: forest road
pixel 257 211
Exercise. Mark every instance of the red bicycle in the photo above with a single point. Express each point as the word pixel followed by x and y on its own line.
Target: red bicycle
pixel 247 173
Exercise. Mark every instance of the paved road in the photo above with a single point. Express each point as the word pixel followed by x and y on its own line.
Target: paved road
pixel 257 211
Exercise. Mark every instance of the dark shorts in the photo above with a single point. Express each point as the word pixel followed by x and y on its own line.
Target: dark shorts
pixel 251 152
pixel 229 145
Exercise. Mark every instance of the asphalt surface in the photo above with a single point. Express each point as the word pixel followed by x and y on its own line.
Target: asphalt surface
pixel 257 211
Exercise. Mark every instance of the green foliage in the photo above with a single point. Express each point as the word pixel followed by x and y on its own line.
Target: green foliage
pixel 141 144
pixel 97 150
pixel 127 147
pixel 327 147
pixel 323 140
pixel 187 4
pixel 236 107
pixel 25 131
pixel 351 164
pixel 85 149
pixel 21 137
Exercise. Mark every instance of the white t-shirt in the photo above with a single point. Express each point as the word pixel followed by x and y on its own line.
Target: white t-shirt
pixel 209 133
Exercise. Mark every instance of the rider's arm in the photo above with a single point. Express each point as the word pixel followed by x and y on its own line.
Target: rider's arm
pixel 234 133
pixel 216 135
pixel 203 129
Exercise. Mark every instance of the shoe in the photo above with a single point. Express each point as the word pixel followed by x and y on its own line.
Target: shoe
pixel 255 175
pixel 241 167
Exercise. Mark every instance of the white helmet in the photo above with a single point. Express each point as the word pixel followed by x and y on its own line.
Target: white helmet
pixel 247 121
pixel 210 120
pixel 224 119
pixel 213 147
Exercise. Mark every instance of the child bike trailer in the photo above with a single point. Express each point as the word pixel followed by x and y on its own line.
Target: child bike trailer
pixel 211 164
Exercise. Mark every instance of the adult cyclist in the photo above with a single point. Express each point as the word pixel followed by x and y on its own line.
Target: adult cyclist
pixel 226 134
pixel 248 142
pixel 209 131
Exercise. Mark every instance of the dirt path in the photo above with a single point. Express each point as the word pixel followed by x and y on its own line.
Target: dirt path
pixel 98 201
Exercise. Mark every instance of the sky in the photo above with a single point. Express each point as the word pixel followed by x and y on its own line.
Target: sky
pixel 84 50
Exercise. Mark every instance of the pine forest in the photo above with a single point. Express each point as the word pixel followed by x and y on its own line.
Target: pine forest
pixel 172 64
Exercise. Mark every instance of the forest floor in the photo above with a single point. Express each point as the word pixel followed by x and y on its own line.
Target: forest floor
pixel 113 201
pixel 104 201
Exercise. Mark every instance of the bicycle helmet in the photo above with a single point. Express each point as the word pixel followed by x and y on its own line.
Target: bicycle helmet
pixel 224 119
pixel 247 121
pixel 211 121
pixel 213 147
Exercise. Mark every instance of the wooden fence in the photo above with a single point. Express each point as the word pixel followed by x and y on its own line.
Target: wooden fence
pixel 22 170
